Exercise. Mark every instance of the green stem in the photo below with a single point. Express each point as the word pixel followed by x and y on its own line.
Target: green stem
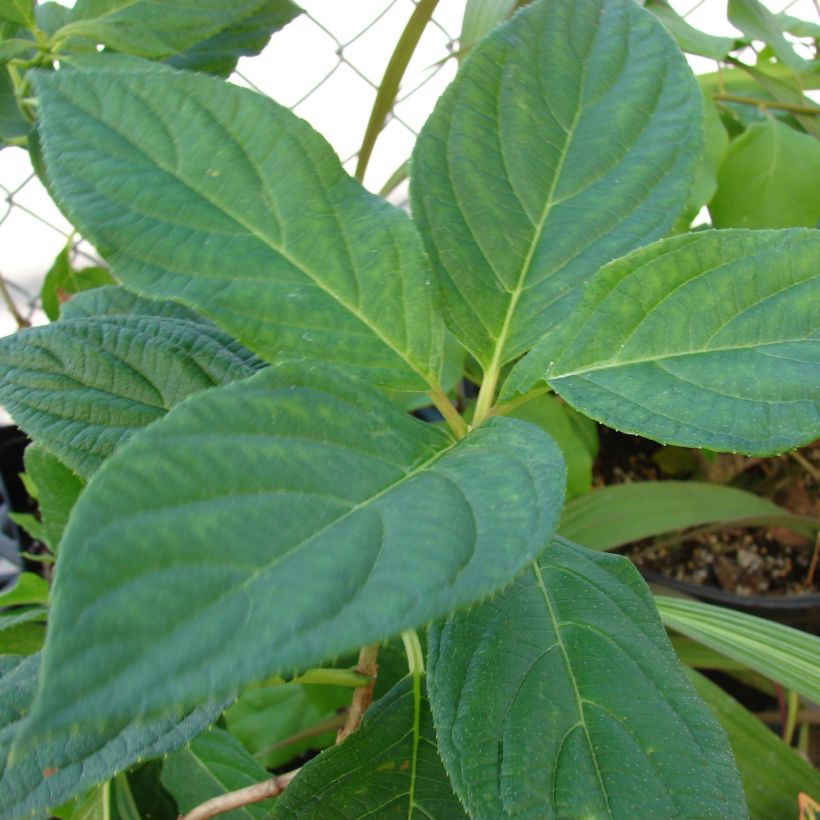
pixel 448 411
pixel 486 395
pixel 415 662
pixel 767 104
pixel 412 648
pixel 509 406
pixel 793 704
pixel 389 86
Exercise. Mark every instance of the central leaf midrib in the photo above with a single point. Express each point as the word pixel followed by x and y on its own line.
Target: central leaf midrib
pixel 261 237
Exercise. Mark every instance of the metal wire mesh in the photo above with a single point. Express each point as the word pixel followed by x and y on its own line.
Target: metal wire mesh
pixel 326 66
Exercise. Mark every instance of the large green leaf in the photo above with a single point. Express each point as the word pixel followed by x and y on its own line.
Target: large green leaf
pixel 113 300
pixel 616 515
pixel 69 762
pixel 773 774
pixel 292 516
pixel 763 180
pixel 153 28
pixel 214 763
pixel 389 767
pixel 219 54
pixel 217 197
pixel 81 386
pixel 567 139
pixel 562 697
pixel 708 339
pixel 786 655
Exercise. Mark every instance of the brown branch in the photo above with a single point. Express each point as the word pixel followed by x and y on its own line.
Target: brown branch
pixel 18 317
pixel 767 104
pixel 241 797
pixel 364 694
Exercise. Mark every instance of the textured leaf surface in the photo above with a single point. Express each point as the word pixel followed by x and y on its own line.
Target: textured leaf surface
pixel 153 28
pixel 773 774
pixel 762 182
pixel 293 516
pixel 789 656
pixel 213 764
pixel 81 386
pixel 219 198
pixel 114 300
pixel 388 768
pixel 708 339
pixel 562 697
pixel 567 140
pixel 616 515
pixel 48 774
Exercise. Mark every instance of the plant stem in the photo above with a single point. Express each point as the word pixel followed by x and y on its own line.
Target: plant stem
pixel 412 648
pixel 792 707
pixel 448 411
pixel 486 394
pixel 805 464
pixel 780 106
pixel 509 406
pixel 813 565
pixel 18 317
pixel 241 797
pixel 363 695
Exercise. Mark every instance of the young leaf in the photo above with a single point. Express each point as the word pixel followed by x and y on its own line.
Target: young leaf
pixel 562 697
pixel 217 197
pixel 12 123
pixel 153 28
pixel 706 340
pixel 347 522
pixel 219 54
pixel 214 763
pixel 616 515
pixel 687 37
pixel 789 656
pixel 81 386
pixel 29 589
pixel 567 139
pixel 388 767
pixel 762 182
pixel 755 20
pixel 62 281
pixel 68 763
pixel 773 774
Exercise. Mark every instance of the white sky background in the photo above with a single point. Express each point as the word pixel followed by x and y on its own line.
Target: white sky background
pixel 297 59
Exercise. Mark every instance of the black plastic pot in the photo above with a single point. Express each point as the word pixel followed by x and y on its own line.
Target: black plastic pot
pixel 13 498
pixel 799 611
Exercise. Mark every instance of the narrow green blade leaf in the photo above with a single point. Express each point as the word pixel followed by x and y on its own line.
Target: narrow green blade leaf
pixel 81 386
pixel 70 762
pixel 762 182
pixel 347 521
pixel 708 339
pixel 58 489
pixel 562 697
pixel 214 763
pixel 215 196
pixel 153 28
pixel 789 656
pixel 220 53
pixel 773 774
pixel 617 515
pixel 389 767
pixel 755 20
pixel 567 139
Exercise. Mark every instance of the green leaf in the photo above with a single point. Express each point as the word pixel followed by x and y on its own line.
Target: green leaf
pixel 214 763
pixel 51 16
pixel 277 723
pixel 18 11
pixel 773 774
pixel 68 763
pixel 9 49
pixel 567 139
pixel 786 655
pixel 687 37
pixel 762 182
pixel 617 515
pixel 25 638
pixel 562 697
pixel 112 300
pixel 220 53
pixel 254 222
pixel 708 340
pixel 62 281
pixel 755 20
pixel 797 26
pixel 480 18
pixel 347 521
pixel 555 418
pixel 13 125
pixel 29 589
pixel 389 767
pixel 57 491
pixel 81 386
pixel 153 28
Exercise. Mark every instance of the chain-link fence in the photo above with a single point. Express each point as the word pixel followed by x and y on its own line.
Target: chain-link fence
pixel 326 66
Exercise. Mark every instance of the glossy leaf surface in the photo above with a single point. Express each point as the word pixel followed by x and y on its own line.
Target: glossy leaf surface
pixel 562 697
pixel 567 140
pixel 708 339
pixel 217 197
pixel 346 521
